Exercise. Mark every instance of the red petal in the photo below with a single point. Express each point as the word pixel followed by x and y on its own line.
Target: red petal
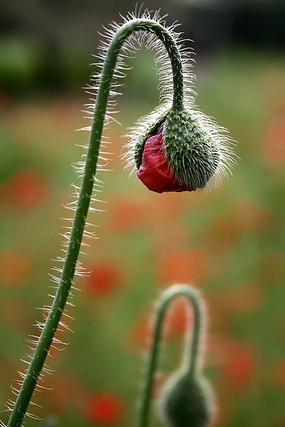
pixel 155 171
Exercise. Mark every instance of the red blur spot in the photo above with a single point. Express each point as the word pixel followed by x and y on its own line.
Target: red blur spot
pixel 105 408
pixel 15 267
pixel 127 214
pixel 182 266
pixel 27 189
pixel 104 279
pixel 240 368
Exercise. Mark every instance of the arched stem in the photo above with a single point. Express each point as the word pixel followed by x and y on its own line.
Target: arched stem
pixel 68 271
pixel 191 356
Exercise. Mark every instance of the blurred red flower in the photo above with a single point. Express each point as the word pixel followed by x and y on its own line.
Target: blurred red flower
pixel 27 189
pixel 238 361
pixel 105 408
pixel 182 266
pixel 126 214
pixel 240 368
pixel 155 171
pixel 103 279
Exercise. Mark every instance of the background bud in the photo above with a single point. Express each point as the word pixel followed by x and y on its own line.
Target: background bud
pixel 186 402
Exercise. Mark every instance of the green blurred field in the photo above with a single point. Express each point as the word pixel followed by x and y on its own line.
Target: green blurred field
pixel 229 243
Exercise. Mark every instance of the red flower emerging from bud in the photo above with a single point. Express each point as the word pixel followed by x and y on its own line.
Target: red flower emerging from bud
pixel 156 171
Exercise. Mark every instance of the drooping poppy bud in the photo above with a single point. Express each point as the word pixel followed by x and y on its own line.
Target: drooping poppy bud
pixel 183 152
pixel 186 402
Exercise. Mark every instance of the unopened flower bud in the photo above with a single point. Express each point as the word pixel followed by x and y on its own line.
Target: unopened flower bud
pixel 185 151
pixel 186 402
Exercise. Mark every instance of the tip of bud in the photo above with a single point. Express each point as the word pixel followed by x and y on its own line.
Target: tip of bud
pixel 186 402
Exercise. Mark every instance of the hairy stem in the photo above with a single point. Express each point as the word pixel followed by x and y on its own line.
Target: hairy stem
pixel 83 202
pixel 191 356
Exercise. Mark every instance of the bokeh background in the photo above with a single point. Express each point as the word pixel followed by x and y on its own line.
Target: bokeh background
pixel 229 243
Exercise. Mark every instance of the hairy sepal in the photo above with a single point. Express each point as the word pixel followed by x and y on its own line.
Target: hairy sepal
pixel 197 148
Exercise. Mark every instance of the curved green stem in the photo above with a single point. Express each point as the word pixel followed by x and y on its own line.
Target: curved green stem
pixel 68 271
pixel 191 357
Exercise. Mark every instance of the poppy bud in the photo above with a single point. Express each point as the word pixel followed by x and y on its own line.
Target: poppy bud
pixel 184 152
pixel 186 402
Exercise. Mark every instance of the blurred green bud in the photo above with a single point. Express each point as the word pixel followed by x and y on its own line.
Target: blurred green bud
pixel 186 402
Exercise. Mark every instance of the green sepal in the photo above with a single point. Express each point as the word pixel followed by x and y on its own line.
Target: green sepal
pixel 191 150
